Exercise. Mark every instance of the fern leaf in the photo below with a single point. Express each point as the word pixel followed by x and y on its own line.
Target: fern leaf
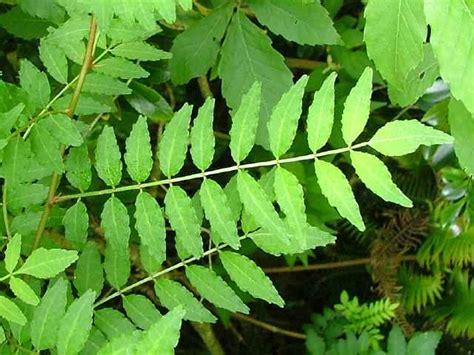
pixel 76 224
pixel 116 223
pixel 108 158
pixel 419 290
pixel 202 136
pixel 138 156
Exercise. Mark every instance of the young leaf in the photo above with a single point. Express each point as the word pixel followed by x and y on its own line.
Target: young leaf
pixel 174 142
pixel 24 292
pixel 202 136
pixel 140 51
pixel 375 175
pixel 290 198
pixel 116 266
pixel 183 219
pixel 47 263
pixel 76 324
pixel 173 294
pixel 76 223
pixel 46 317
pixel 357 108
pixel 78 168
pixel 113 323
pixel 89 274
pixel 35 84
pixel 214 289
pixel 138 156
pixel 107 158
pixel 150 225
pixel 63 129
pixel 116 223
pixel 120 68
pixel 12 253
pixel 245 122
pixel 215 204
pixel 259 206
pixel 54 60
pixel 46 148
pixel 97 83
pixel 337 190
pixel 403 137
pixel 321 114
pixel 11 312
pixel 284 119
pixel 249 277
pixel 141 311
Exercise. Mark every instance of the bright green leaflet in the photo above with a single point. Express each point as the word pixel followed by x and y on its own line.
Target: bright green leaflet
pixel 357 108
pixel 321 114
pixel 173 294
pixel 113 323
pixel 12 253
pixel 337 190
pixel 97 83
pixel 215 204
pixel 140 51
pixel 403 32
pixel 76 324
pixel 452 31
pixel 54 60
pixel 183 219
pixel 167 9
pixel 117 265
pixel 259 206
pixel 47 263
pixel 283 122
pixel 403 137
pixel 249 277
pixel 174 142
pixel 461 122
pixel 245 122
pixel 78 168
pixel 120 68
pixel 107 158
pixel 116 223
pixel 423 343
pixel 46 317
pixel 63 129
pixel 89 273
pixel 76 223
pixel 24 292
pixel 150 225
pixel 214 289
pixel 8 120
pixel 46 148
pixel 11 312
pixel 141 311
pixel 301 22
pixel 202 136
pixel 35 84
pixel 375 175
pixel 138 156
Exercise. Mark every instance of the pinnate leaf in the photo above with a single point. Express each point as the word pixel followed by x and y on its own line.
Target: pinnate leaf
pixel 12 253
pixel 138 156
pixel 11 312
pixel 89 273
pixel 24 292
pixel 107 158
pixel 76 223
pixel 202 136
pixel 47 263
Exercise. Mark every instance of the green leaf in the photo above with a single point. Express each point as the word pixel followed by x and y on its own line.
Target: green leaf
pixel 461 122
pixel 249 277
pixel 76 324
pixel 8 120
pixel 87 105
pixel 187 5
pixel 126 344
pixel 167 10
pixel 202 136
pixel 375 175
pixel 46 317
pixel 183 220
pixel 215 204
pixel 245 122
pixel 46 9
pixel 11 312
pixel 116 266
pixel 150 225
pixel 259 206
pixel 76 223
pixel 173 294
pixel 244 37
pixel 25 195
pixel 403 137
pixel 115 223
pixel 396 343
pixel 140 51
pixel 214 289
pixel 12 253
pixel 141 311
pixel 357 108
pixel 452 31
pixel 15 158
pixel 24 292
pixel 54 60
pixel 97 83
pixel 321 114
pixel 95 342
pixel 337 190
pixel 47 263
pixel 298 21
pixel 138 156
pixel 78 167
pixel 107 157
pixel 63 129
pixel 403 32
pixel 89 274
pixel 113 323
pixel 290 198
pixel 174 142
pixel 35 84
pixel 284 119
pixel 23 25
pixel 120 68
pixel 46 148
pixel 2 335
pixel 195 50
pixel 424 343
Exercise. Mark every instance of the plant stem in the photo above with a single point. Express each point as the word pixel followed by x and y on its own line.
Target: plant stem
pixel 71 109
pixel 267 326
pixel 5 211
pixel 207 173
pixel 204 87
pixel 209 338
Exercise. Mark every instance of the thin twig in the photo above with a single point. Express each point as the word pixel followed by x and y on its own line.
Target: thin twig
pixel 5 211
pixel 267 326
